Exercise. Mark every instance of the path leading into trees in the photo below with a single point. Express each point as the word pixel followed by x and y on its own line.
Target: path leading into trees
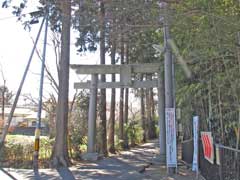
pixel 138 163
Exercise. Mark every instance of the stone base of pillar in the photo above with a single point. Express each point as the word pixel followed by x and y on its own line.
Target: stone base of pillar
pixel 90 156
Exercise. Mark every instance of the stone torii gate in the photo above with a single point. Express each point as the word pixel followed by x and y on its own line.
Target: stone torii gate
pixel 126 81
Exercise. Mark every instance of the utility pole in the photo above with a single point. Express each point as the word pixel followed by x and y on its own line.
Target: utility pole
pixel 3 100
pixel 3 95
pixel 161 114
pixel 169 94
pixel 7 124
pixel 38 126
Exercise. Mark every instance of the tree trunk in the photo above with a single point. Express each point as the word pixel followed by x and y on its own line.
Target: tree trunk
pixel 210 112
pixel 153 134
pixel 103 118
pixel 60 150
pixel 121 114
pixel 238 131
pixel 152 103
pixel 51 109
pixel 126 119
pixel 148 109
pixel 238 126
pixel 52 121
pixel 126 106
pixel 221 115
pixel 113 102
pixel 121 96
pixel 143 119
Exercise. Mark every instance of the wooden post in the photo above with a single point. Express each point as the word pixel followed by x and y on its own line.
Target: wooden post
pixel 92 115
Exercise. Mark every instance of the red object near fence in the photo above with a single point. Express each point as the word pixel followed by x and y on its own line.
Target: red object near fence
pixel 208 147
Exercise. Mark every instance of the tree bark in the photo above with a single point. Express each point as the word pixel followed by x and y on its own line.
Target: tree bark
pixel 143 118
pixel 210 112
pixel 152 127
pixel 238 126
pixel 103 118
pixel 152 102
pixel 148 114
pixel 121 96
pixel 60 150
pixel 52 121
pixel 221 115
pixel 113 103
pixel 50 108
pixel 126 106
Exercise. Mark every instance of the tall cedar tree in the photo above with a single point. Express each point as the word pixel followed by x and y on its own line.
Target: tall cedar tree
pixel 60 150
pixel 103 118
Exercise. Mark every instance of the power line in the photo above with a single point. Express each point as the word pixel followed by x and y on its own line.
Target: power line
pixel 6 18
pixel 11 17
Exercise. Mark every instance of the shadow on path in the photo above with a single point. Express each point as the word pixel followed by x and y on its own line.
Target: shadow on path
pixel 36 174
pixel 65 173
pixel 134 164
pixel 5 175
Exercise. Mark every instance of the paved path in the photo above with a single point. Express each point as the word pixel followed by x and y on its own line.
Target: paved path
pixel 135 164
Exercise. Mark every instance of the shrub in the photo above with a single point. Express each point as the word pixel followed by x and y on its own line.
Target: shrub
pixel 18 151
pixel 135 132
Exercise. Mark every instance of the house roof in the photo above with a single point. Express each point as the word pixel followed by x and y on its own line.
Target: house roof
pixel 23 112
pixel 34 115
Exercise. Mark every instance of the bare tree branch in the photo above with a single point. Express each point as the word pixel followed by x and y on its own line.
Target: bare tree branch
pixel 49 75
pixel 56 47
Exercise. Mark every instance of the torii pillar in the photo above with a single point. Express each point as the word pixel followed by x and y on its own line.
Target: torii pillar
pixel 91 154
pixel 126 81
pixel 92 115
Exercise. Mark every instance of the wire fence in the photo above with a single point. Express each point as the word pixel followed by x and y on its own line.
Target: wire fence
pixel 229 168
pixel 225 167
pixel 209 171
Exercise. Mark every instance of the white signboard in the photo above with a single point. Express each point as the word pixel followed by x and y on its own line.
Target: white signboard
pixel 171 143
pixel 195 143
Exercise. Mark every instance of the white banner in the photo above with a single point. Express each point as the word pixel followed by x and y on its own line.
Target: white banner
pixel 195 143
pixel 171 144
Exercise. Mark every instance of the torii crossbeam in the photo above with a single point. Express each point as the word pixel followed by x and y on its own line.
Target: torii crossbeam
pixel 126 81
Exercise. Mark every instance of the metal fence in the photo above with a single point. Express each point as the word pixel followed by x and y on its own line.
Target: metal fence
pixel 229 168
pixel 209 171
pixel 29 131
